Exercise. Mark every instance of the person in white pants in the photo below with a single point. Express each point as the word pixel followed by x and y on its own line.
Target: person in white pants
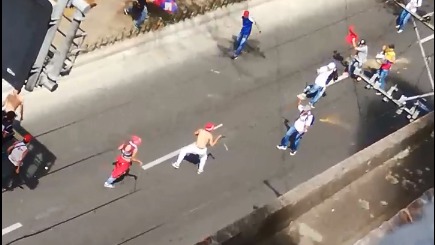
pixel 204 138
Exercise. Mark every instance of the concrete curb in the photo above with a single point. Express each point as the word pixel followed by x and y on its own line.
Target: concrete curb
pixel 277 215
pixel 186 25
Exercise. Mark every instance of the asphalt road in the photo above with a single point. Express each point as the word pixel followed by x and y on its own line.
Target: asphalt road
pixel 250 96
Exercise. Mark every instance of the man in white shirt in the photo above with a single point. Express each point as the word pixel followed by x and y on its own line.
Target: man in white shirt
pixel 319 86
pixel 299 128
pixel 16 154
pixel 404 16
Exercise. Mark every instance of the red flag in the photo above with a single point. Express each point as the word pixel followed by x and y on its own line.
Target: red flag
pixel 351 35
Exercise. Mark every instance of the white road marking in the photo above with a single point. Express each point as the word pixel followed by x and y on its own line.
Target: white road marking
pixel 11 228
pixel 426 39
pixel 168 156
pixel 340 78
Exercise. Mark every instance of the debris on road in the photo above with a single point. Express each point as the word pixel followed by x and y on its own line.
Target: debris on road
pixel 364 204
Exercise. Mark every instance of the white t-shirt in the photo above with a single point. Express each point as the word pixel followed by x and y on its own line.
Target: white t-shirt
pixel 17 152
pixel 413 5
pixel 322 77
pixel 303 120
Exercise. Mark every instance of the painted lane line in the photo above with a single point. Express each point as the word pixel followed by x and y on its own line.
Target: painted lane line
pixel 168 156
pixel 426 39
pixel 340 78
pixel 11 228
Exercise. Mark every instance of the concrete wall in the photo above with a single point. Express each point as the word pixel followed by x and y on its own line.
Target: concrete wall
pixel 274 217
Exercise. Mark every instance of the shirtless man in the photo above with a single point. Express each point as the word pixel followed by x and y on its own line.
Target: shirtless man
pixel 13 102
pixel 204 138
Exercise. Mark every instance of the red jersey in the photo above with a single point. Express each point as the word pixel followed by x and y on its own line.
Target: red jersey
pixel 121 166
pixel 127 150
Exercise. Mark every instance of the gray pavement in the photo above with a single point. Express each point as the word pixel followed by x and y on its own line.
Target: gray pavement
pixel 250 96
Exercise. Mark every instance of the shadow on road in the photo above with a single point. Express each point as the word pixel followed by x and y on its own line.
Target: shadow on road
pixel 379 119
pixel 37 163
pixel 226 47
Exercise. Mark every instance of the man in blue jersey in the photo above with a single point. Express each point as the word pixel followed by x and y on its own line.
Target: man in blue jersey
pixel 247 22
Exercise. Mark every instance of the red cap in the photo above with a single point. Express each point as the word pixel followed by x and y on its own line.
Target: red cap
pixel 209 126
pixel 27 138
pixel 136 140
pixel 246 14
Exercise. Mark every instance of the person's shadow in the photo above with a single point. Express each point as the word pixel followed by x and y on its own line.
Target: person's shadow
pixel 37 163
pixel 252 47
pixel 194 158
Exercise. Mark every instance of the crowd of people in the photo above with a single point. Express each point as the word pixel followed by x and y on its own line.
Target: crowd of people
pixel 325 75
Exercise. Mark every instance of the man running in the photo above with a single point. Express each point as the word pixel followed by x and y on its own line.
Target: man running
pixel 299 128
pixel 124 160
pixel 13 102
pixel 244 34
pixel 204 138
pixel 324 76
pixel 412 6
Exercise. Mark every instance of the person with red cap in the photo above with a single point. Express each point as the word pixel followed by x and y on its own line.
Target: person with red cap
pixel 244 34
pixel 17 152
pixel 204 138
pixel 124 160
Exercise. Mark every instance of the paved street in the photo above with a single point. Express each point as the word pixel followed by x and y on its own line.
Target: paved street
pixel 79 127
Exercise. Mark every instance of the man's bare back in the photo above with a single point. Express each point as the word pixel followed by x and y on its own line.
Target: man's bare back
pixel 13 102
pixel 205 138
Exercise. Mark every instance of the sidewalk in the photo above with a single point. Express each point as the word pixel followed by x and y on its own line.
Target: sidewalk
pixel 362 206
pixel 106 23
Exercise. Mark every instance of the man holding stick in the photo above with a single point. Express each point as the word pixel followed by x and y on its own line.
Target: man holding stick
pixel 204 138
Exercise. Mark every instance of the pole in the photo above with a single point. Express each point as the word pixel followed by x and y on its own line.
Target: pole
pixel 416 97
pixel 423 53
pixel 56 66
pixel 56 16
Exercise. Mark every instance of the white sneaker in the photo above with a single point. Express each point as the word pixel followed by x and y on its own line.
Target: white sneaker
pixel 175 165
pixel 107 185
pixel 292 153
pixel 399 31
pixel 397 27
pixel 312 106
pixel 200 171
pixel 378 93
pixel 302 96
pixel 280 147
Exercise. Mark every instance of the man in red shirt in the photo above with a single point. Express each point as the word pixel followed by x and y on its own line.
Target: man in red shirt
pixel 124 160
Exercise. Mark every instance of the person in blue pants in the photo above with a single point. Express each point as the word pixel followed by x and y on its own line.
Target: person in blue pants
pixel 138 11
pixel 244 34
pixel 294 134
pixel 405 15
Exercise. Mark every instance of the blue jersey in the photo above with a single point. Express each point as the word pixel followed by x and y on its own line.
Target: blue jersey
pixel 246 26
